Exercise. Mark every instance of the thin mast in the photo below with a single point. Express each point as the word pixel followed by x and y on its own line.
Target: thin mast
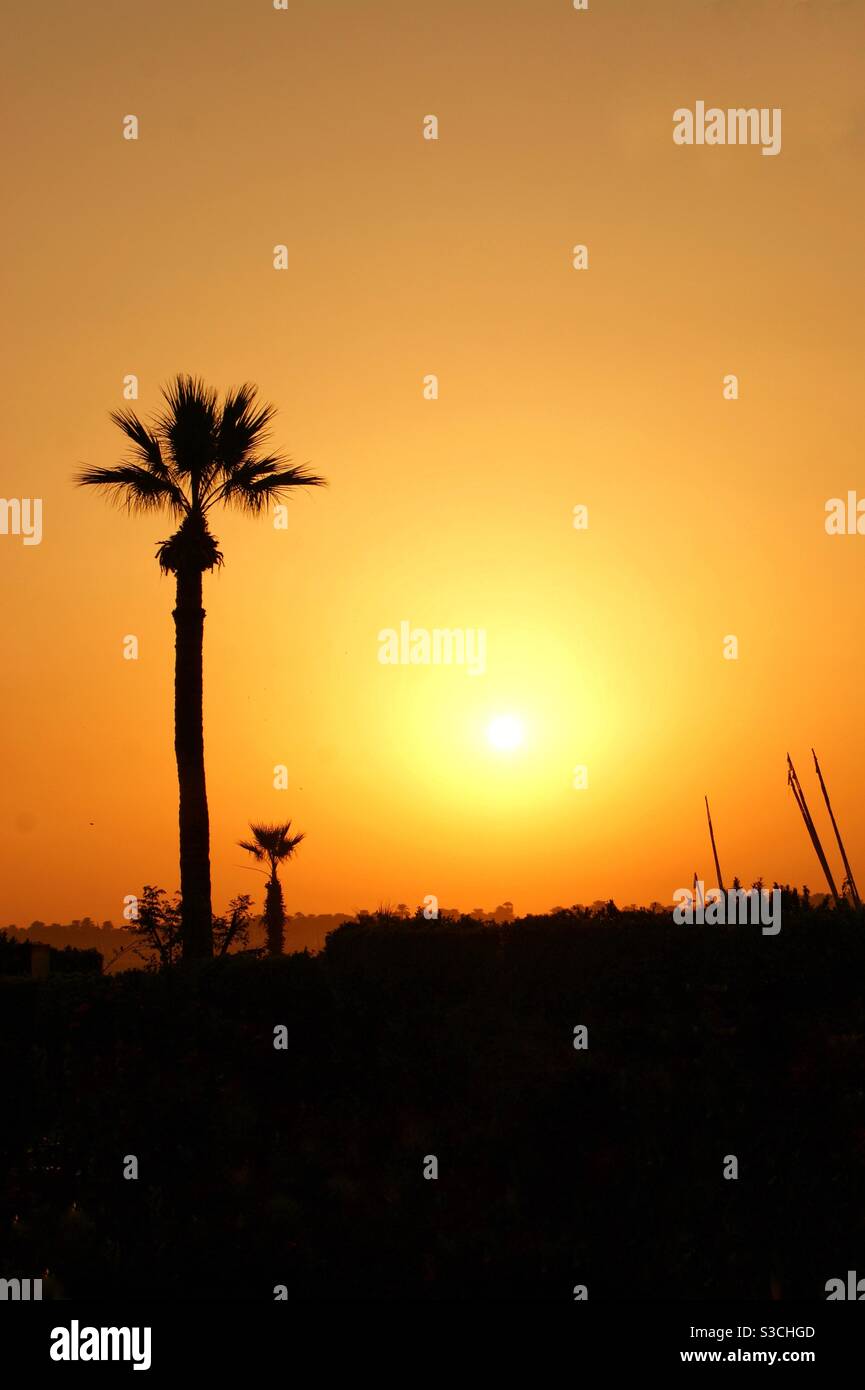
pixel 793 781
pixel 714 850
pixel 847 869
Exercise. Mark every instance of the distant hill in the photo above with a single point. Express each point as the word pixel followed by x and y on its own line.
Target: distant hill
pixel 303 932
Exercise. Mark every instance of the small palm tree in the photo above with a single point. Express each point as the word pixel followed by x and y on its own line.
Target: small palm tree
pixel 273 844
pixel 196 454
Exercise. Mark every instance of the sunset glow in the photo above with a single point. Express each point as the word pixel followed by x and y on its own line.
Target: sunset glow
pixel 557 388
pixel 506 732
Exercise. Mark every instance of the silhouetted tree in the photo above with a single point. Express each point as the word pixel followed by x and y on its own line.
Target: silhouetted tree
pixel 157 929
pixel 232 929
pixel 194 455
pixel 157 932
pixel 273 844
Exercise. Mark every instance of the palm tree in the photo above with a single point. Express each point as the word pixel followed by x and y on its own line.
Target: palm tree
pixel 273 844
pixel 194 455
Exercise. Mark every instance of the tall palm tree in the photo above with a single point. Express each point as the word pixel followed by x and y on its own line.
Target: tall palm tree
pixel 273 844
pixel 195 454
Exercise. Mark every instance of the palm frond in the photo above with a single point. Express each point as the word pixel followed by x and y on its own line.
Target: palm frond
pixel 148 451
pixel 188 429
pixel 252 848
pixel 148 454
pixel 289 843
pixel 244 424
pixel 258 482
pixel 132 486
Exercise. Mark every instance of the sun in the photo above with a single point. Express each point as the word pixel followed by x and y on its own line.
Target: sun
pixel 505 732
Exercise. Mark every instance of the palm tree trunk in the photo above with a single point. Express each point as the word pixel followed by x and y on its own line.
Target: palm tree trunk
pixel 274 916
pixel 197 919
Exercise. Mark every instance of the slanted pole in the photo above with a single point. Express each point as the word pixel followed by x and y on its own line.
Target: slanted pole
pixel 714 850
pixel 793 782
pixel 849 872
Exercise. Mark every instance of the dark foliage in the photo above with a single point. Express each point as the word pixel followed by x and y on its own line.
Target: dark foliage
pixel 15 958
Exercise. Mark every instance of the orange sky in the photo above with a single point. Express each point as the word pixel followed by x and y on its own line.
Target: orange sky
pixel 557 387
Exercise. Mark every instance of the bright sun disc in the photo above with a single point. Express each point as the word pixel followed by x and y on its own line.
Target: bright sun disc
pixel 505 732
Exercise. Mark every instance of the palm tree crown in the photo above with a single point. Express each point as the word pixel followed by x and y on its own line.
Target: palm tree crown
pixel 193 455
pixel 272 843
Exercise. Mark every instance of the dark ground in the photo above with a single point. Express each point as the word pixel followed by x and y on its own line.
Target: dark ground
pixel 557 1167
